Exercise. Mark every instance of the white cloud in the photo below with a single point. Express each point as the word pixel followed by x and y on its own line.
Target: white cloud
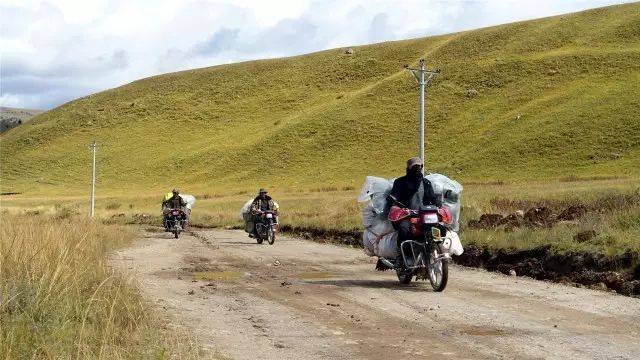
pixel 54 51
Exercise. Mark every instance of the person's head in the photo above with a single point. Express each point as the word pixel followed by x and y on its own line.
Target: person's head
pixel 414 167
pixel 262 193
pixel 175 191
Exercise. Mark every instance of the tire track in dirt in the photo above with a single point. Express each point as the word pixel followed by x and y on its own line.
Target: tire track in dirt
pixel 303 300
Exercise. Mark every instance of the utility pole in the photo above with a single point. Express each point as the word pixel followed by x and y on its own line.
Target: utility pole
pixel 423 81
pixel 93 146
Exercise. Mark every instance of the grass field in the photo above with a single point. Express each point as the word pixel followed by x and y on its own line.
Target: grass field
pixel 542 99
pixel 59 300
pixel 615 219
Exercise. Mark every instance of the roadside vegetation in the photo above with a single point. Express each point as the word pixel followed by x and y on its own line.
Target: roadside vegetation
pixel 606 222
pixel 60 300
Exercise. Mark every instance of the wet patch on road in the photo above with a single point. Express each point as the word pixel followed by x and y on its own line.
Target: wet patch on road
pixel 217 275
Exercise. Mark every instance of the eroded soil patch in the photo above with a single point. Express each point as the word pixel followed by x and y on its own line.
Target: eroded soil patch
pixel 620 273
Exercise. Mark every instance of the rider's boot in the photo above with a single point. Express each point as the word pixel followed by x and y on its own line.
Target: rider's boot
pixel 381 266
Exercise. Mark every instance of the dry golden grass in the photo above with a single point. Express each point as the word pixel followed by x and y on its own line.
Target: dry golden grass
pixel 335 209
pixel 59 299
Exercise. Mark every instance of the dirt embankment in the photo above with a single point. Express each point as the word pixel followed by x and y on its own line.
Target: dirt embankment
pixel 620 273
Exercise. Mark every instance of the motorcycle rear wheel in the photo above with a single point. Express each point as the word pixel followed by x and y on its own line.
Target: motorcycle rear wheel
pixel 176 233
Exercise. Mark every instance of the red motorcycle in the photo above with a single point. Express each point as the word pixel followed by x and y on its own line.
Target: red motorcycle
pixel 423 256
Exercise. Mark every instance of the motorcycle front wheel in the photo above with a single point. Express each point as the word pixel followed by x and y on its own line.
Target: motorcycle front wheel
pixel 271 236
pixel 438 272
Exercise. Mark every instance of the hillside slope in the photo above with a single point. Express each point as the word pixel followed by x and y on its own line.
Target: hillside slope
pixel 539 99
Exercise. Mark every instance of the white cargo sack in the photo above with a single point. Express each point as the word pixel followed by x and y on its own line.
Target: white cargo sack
pixel 387 246
pixel 245 215
pixel 449 191
pixel 375 225
pixel 452 244
pixel 189 199
pixel 370 217
pixel 375 191
pixel 369 235
pixel 244 210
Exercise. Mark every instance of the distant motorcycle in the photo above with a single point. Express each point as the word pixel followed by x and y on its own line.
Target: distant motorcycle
pixel 175 222
pixel 424 257
pixel 267 227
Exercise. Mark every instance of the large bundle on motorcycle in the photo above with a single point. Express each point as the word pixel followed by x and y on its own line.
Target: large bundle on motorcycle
pixel 379 237
pixel 375 191
pixel 189 199
pixel 245 215
pixel 450 192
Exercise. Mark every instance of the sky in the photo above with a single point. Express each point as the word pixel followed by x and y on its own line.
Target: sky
pixel 54 51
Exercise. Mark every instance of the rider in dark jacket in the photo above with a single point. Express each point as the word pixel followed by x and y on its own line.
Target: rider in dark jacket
pixel 411 191
pixel 261 203
pixel 176 201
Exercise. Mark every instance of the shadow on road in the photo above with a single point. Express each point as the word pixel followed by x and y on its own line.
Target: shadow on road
pixel 373 284
pixel 232 243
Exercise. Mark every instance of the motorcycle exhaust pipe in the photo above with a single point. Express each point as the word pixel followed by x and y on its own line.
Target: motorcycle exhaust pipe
pixel 387 263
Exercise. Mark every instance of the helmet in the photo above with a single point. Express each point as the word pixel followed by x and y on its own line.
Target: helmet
pixel 175 191
pixel 414 161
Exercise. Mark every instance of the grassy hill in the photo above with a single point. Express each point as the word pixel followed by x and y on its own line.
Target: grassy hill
pixel 543 99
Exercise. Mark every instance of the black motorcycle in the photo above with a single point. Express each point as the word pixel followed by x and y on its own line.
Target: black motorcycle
pixel 175 222
pixel 267 227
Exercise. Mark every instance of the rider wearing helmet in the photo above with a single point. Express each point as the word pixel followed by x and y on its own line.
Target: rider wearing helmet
pixel 175 201
pixel 172 200
pixel 262 203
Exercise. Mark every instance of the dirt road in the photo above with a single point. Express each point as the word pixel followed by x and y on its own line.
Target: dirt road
pixel 303 300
